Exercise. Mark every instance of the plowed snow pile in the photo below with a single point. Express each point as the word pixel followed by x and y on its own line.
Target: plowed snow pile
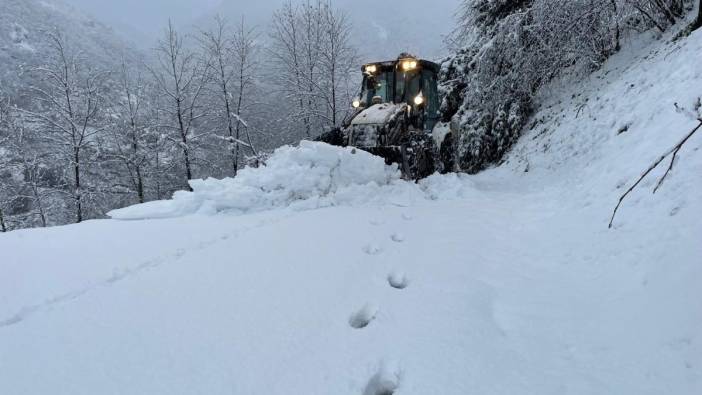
pixel 312 175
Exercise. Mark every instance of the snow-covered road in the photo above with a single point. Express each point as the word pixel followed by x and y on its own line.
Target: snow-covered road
pixel 504 293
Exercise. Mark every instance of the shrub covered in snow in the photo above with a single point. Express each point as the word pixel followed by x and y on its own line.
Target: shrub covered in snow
pixel 509 49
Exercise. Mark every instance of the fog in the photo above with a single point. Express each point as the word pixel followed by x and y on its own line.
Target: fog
pixel 140 21
pixel 383 28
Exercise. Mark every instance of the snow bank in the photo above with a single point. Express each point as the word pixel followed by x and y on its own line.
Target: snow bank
pixel 311 175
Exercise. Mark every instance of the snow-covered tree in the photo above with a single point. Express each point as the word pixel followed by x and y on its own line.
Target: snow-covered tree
pixel 31 192
pixel 286 54
pixel 69 100
pixel 132 130
pixel 181 75
pixel 339 63
pixel 660 13
pixel 233 56
pixel 312 61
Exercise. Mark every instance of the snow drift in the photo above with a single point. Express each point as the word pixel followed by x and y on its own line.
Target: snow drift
pixel 312 175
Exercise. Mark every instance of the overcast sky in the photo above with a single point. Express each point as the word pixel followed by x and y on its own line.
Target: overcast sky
pixel 143 19
pixel 392 25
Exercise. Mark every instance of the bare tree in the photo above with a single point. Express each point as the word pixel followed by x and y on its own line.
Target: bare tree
pixel 30 165
pixel 339 59
pixel 246 71
pixel 131 130
pixel 181 75
pixel 71 98
pixel 24 187
pixel 234 66
pixel 286 53
pixel 660 13
pixel 312 23
pixel 313 59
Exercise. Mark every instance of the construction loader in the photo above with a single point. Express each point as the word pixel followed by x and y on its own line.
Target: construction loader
pixel 394 115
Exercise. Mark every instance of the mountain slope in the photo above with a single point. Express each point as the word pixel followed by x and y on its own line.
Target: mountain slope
pixel 23 45
pixel 500 283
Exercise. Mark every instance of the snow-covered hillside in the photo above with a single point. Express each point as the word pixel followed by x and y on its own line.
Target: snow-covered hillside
pixel 324 273
pixel 23 43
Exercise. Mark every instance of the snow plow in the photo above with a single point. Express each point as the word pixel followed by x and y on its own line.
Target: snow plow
pixel 394 115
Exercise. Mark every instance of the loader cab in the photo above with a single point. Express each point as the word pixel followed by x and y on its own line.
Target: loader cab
pixel 406 80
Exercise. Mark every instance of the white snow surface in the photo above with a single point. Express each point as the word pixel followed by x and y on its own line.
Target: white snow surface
pixel 506 282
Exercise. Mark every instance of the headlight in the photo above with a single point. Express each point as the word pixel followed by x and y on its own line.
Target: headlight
pixel 356 103
pixel 408 64
pixel 371 69
pixel 419 99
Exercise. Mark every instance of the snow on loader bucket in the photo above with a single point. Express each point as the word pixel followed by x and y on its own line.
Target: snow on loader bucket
pixel 394 115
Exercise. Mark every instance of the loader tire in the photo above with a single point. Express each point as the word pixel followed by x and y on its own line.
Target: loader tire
pixel 445 156
pixel 418 157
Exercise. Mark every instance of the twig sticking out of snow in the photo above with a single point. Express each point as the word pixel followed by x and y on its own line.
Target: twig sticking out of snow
pixel 673 151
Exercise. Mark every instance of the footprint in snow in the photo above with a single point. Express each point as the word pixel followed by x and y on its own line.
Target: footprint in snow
pixel 407 217
pixel 372 249
pixel 398 280
pixel 363 317
pixel 376 222
pixel 397 237
pixel 385 382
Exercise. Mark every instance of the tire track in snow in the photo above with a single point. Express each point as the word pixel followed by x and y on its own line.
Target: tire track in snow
pixel 122 274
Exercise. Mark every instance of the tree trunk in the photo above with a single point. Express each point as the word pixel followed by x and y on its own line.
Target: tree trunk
pixel 140 184
pixel 698 22
pixel 234 150
pixel 617 33
pixel 184 141
pixel 186 155
pixel 239 102
pixel 158 174
pixel 40 205
pixel 77 192
pixel 3 228
pixel 135 152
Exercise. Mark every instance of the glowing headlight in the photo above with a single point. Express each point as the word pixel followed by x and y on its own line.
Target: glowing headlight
pixel 356 103
pixel 409 64
pixel 371 69
pixel 419 99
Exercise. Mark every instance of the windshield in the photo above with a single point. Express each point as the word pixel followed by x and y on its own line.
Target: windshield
pixel 380 85
pixel 408 86
pixel 390 86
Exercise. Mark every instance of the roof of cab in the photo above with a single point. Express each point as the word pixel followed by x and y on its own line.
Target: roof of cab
pixel 425 64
